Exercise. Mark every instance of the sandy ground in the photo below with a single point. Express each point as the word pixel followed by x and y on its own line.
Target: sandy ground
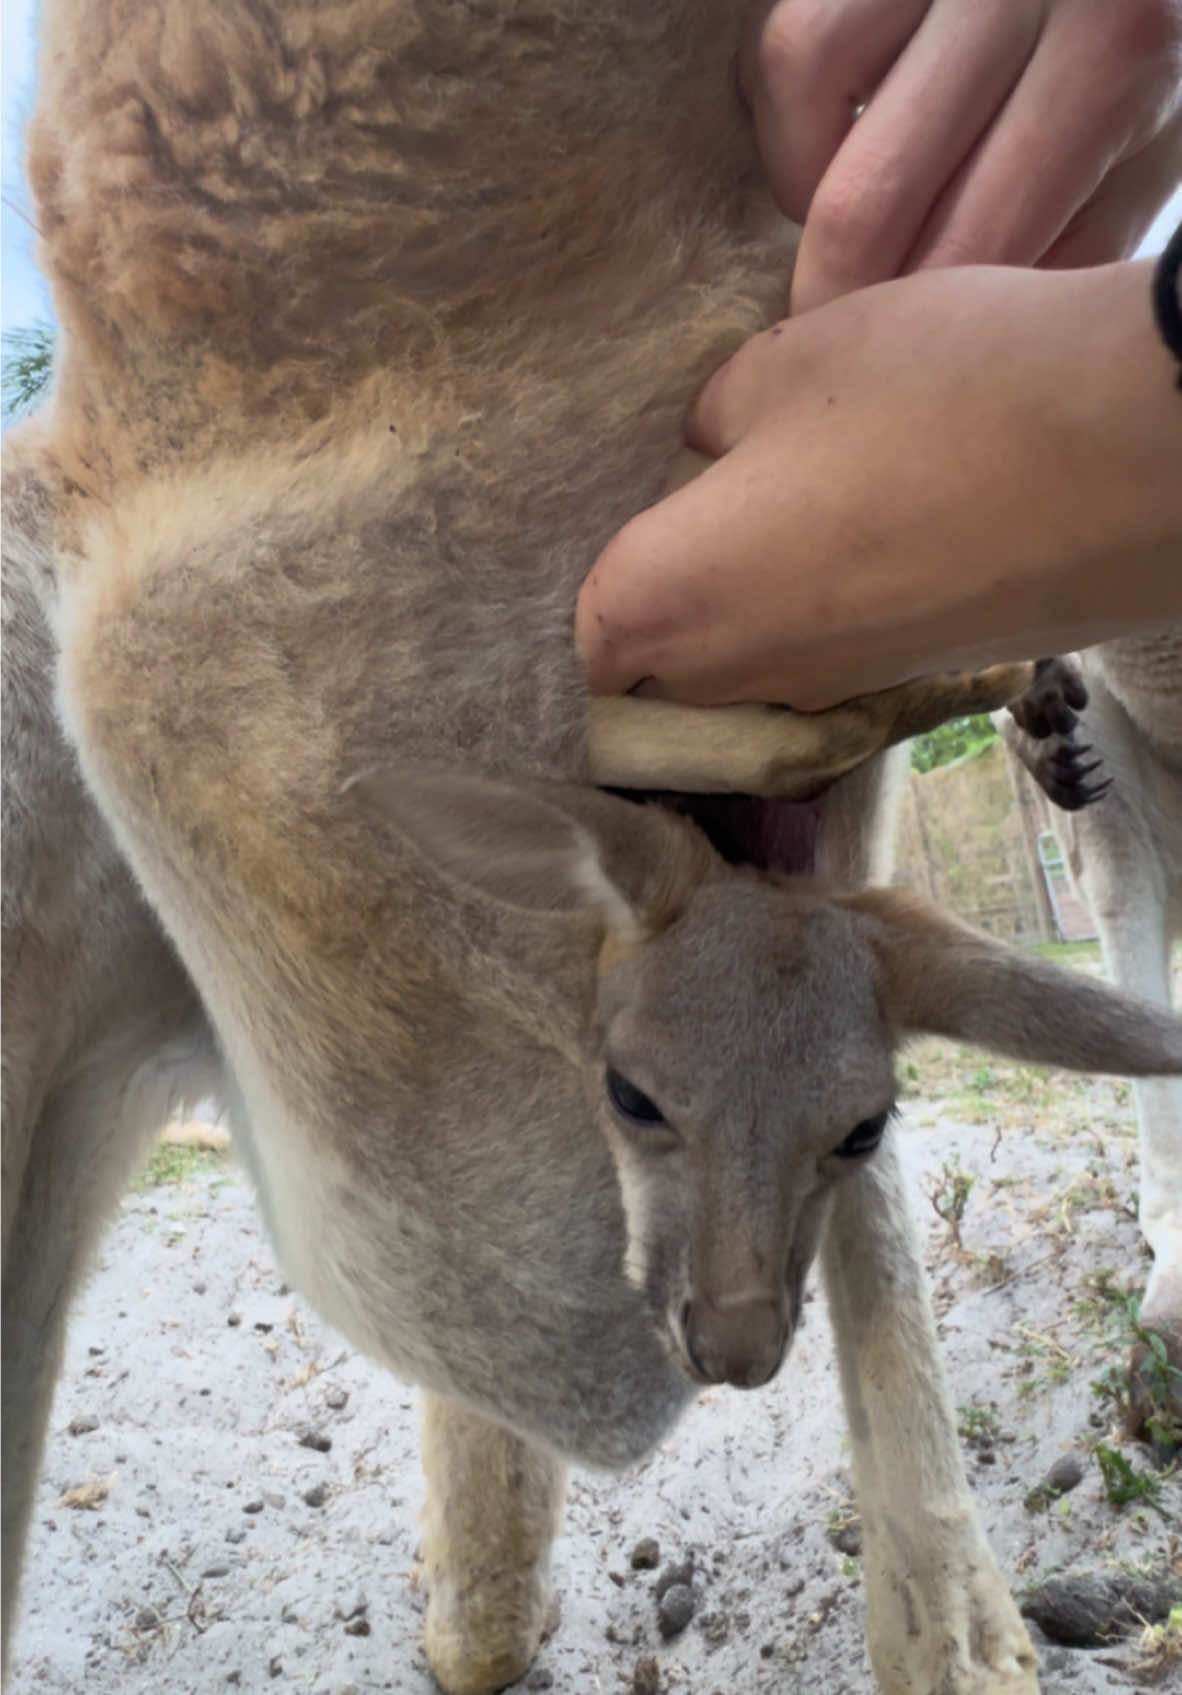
pixel 218 1552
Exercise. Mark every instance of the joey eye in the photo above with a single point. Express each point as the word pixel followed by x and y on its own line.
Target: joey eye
pixel 629 1102
pixel 864 1137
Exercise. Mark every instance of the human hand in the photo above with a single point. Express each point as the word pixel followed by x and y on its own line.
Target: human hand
pixel 944 471
pixel 1013 132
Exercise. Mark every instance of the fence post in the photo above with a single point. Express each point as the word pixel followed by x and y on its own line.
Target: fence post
pixel 1042 902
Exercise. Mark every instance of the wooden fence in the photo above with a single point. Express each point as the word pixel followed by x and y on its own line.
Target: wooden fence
pixel 978 838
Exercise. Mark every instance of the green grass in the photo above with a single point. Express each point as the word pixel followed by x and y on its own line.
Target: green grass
pixel 1123 1483
pixel 1068 953
pixel 978 1425
pixel 170 1164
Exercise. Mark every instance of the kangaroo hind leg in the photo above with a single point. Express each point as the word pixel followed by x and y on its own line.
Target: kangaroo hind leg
pixel 493 1507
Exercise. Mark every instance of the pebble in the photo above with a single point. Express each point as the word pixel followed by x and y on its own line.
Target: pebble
pixel 147 1619
pixel 316 1495
pixel 83 1424
pixel 1090 1609
pixel 1065 1474
pixel 336 1399
pixel 253 1507
pixel 236 1534
pixel 216 1571
pixel 317 1440
pixel 543 1678
pixel 646 1556
pixel 357 1626
pixel 682 1572
pixel 715 1628
pixel 646 1677
pixel 233 1319
pixel 848 1540
pixel 675 1609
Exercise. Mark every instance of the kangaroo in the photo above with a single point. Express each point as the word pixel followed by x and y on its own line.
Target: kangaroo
pixel 1124 844
pixel 374 327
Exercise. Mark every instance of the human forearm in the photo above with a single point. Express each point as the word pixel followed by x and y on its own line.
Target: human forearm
pixel 958 468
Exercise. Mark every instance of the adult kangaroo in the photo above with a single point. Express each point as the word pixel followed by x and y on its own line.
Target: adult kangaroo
pixel 377 320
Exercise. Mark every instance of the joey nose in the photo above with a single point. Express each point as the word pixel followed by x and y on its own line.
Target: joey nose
pixel 741 1344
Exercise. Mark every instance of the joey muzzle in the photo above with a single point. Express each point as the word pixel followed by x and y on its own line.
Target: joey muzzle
pixel 742 1343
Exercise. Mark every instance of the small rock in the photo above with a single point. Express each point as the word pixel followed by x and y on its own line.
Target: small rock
pixel 275 1666
pixel 848 1540
pixel 253 1507
pixel 236 1534
pixel 1065 1474
pixel 715 1628
pixel 543 1678
pixel 336 1399
pixel 766 1650
pixel 646 1556
pixel 317 1440
pixel 1089 1609
pixel 986 1456
pixel 96 1348
pixel 216 1571
pixel 316 1495
pixel 147 1619
pixel 357 1626
pixel 233 1677
pixel 199 1288
pixel 83 1424
pixel 646 1677
pixel 233 1319
pixel 618 1578
pixel 274 1500
pixel 675 1609
pixel 682 1572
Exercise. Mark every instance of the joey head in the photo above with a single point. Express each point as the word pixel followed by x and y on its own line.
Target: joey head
pixel 736 1032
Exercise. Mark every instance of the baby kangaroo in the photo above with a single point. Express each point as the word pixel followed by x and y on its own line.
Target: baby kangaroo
pixel 738 1048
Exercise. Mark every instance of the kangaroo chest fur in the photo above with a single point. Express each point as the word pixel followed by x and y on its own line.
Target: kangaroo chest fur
pixel 373 337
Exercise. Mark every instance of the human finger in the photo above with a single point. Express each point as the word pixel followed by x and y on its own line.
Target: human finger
pixel 925 120
pixel 1114 222
pixel 1089 99
pixel 805 67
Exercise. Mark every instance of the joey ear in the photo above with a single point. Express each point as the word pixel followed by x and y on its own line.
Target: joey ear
pixel 938 975
pixel 513 842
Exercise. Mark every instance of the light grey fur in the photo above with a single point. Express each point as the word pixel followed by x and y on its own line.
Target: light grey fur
pixel 1126 851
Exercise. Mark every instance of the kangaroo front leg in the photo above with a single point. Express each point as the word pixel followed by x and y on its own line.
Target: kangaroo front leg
pixel 639 743
pixel 939 1615
pixel 494 1502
